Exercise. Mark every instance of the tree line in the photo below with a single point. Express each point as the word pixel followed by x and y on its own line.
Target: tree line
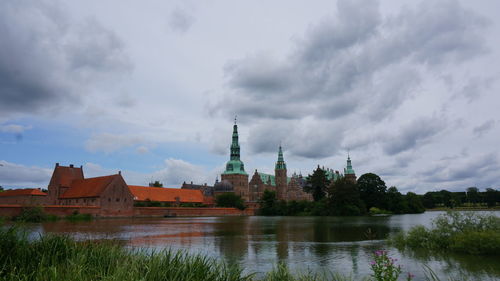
pixel 368 195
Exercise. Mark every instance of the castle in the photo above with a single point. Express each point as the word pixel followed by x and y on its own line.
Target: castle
pixel 235 178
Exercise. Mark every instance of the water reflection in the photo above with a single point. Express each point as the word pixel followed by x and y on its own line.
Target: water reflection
pixel 342 244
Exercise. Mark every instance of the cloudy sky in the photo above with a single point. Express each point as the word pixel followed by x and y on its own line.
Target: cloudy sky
pixel 151 88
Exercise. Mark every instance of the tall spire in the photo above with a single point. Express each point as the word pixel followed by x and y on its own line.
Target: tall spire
pixel 348 169
pixel 234 165
pixel 280 164
pixel 235 146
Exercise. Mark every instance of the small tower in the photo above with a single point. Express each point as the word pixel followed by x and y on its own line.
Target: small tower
pixel 349 171
pixel 235 169
pixel 280 176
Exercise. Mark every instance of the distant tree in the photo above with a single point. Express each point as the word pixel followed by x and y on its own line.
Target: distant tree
pixel 473 195
pixel 156 184
pixel 268 203
pixel 372 190
pixel 428 200
pixel 491 197
pixel 1 188
pixel 395 201
pixel 446 198
pixel 343 199
pixel 229 200
pixel 414 203
pixel 318 183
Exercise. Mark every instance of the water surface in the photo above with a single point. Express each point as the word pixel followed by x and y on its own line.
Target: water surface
pixel 340 244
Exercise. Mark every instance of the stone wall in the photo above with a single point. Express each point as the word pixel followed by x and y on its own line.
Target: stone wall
pixel 14 210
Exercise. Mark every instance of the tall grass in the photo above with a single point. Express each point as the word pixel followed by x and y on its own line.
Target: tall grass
pixel 61 258
pixel 464 232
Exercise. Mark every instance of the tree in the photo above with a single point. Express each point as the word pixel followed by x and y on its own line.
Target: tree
pixel 446 198
pixel 230 200
pixel 343 199
pixel 268 203
pixel 372 191
pixel 1 188
pixel 491 197
pixel 318 183
pixel 414 203
pixel 428 200
pixel 473 195
pixel 395 201
pixel 156 184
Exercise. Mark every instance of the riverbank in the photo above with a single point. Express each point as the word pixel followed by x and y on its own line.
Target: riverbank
pixel 444 209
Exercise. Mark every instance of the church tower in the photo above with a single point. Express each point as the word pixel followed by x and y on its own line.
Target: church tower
pixel 235 170
pixel 280 176
pixel 349 172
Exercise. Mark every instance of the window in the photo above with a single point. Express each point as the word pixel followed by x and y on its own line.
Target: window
pixel 117 199
pixel 109 199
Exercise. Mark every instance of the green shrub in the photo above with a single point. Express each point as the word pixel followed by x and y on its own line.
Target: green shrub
pixel 485 242
pixel 31 214
pixel 456 231
pixel 76 216
pixel 229 200
pixel 377 211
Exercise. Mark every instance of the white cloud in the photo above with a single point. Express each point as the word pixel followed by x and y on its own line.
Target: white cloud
pixel 106 142
pixel 14 128
pixel 22 176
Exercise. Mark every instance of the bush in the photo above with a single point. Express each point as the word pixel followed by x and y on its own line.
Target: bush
pixel 377 211
pixel 465 232
pixel 31 214
pixel 76 216
pixel 229 200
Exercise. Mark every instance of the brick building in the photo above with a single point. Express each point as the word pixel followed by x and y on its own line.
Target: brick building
pixel 26 196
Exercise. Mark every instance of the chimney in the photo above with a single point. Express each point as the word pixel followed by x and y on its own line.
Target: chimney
pixel 119 172
pixel 57 164
pixel 191 183
pixel 71 165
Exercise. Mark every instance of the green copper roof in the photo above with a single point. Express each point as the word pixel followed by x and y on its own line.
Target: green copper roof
pixel 235 165
pixel 266 178
pixel 280 164
pixel 349 170
pixel 331 175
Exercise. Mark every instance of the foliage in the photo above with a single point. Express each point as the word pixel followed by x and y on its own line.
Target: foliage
pixel 472 195
pixel 34 214
pixel 465 232
pixel 372 191
pixel 192 205
pixel 491 197
pixel 61 258
pixel 318 183
pixel 156 184
pixel 343 199
pixel 229 200
pixel 149 203
pixel 384 268
pixel 76 216
pixel 415 205
pixel 377 211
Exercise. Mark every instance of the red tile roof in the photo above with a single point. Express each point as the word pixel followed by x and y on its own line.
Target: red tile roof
pixel 24 191
pixel 161 194
pixel 92 187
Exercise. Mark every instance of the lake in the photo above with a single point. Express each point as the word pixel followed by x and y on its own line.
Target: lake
pixel 339 244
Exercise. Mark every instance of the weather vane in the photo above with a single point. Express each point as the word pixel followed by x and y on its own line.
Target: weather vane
pixel 235 117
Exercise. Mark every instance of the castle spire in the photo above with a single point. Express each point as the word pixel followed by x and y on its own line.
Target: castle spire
pixel 234 165
pixel 280 164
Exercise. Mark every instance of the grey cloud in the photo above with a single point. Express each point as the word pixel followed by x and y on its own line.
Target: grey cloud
pixel 22 176
pixel 180 20
pixel 358 66
pixel 106 142
pixel 484 128
pixel 46 59
pixel 478 170
pixel 416 133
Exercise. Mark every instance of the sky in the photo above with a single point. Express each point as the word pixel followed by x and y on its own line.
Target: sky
pixel 409 89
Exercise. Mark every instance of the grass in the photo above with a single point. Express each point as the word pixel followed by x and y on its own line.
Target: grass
pixel 52 257
pixel 464 232
pixel 79 217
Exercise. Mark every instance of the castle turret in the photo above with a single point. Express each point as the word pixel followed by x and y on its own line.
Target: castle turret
pixel 349 173
pixel 235 169
pixel 280 176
